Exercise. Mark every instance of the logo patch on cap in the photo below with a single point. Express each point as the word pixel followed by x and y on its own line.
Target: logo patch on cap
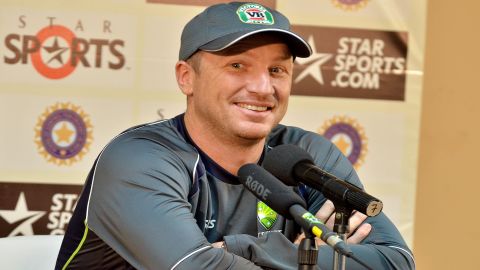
pixel 255 14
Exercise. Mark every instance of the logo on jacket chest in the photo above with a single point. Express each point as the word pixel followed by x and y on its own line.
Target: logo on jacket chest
pixel 210 223
pixel 266 216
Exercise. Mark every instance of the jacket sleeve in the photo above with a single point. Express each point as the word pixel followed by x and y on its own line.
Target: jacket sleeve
pixel 139 206
pixel 384 248
pixel 275 251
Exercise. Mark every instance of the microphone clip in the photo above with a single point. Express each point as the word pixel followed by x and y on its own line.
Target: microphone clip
pixel 308 252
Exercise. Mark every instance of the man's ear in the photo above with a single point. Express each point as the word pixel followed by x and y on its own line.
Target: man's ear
pixel 185 76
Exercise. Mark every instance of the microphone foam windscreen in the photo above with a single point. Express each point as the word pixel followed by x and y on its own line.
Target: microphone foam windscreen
pixel 281 160
pixel 269 189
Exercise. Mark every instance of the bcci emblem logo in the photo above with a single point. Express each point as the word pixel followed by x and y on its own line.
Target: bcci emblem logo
pixel 348 136
pixel 350 4
pixel 266 215
pixel 254 14
pixel 63 134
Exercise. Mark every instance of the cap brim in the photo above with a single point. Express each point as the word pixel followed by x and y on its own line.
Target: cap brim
pixel 297 45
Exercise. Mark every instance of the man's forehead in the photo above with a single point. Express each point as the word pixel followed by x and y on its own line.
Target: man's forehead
pixel 255 41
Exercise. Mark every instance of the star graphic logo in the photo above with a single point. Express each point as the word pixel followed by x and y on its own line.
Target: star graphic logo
pixel 21 215
pixel 314 63
pixel 64 133
pixel 344 144
pixel 55 52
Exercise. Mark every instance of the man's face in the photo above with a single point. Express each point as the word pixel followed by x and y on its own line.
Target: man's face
pixel 242 91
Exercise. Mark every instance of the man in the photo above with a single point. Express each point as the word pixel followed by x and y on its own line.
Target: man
pixel 165 195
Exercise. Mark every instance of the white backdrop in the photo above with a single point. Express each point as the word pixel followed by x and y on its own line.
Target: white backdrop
pixel 124 76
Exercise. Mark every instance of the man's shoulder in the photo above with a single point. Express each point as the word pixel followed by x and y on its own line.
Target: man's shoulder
pixel 159 128
pixel 324 153
pixel 283 134
pixel 163 132
pixel 159 140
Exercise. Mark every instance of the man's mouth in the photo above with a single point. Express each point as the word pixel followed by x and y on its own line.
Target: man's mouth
pixel 254 107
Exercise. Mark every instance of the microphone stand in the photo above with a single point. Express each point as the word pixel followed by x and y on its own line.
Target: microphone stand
pixel 308 252
pixel 341 227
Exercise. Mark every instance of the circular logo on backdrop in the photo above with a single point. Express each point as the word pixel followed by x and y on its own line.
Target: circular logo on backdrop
pixel 347 134
pixel 63 133
pixel 350 4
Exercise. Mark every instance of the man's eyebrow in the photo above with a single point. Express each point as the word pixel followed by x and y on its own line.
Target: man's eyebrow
pixel 285 56
pixel 241 48
pixel 234 49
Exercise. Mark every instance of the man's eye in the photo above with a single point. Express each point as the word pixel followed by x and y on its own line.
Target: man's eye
pixel 276 70
pixel 236 65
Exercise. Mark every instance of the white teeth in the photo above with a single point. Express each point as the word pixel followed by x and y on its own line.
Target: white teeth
pixel 253 107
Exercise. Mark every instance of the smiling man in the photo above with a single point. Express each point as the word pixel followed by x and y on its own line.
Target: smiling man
pixel 166 196
pixel 238 94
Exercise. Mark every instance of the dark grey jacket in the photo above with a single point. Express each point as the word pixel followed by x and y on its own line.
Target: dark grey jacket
pixel 153 200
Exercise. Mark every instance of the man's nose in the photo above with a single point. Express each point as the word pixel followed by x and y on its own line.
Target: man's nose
pixel 260 83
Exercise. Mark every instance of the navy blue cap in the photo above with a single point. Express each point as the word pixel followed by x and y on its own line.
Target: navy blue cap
pixel 222 25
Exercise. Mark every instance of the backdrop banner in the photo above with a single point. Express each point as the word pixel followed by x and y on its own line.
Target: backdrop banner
pixel 75 74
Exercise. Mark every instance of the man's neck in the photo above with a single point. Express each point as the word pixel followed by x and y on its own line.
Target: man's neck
pixel 229 153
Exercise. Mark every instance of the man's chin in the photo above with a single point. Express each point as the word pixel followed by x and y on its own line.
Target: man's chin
pixel 255 133
pixel 253 137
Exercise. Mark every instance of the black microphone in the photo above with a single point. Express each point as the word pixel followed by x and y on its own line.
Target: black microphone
pixel 291 164
pixel 286 202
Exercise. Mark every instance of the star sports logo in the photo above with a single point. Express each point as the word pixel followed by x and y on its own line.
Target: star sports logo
pixel 352 63
pixel 55 50
pixel 21 217
pixel 313 64
pixel 28 209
